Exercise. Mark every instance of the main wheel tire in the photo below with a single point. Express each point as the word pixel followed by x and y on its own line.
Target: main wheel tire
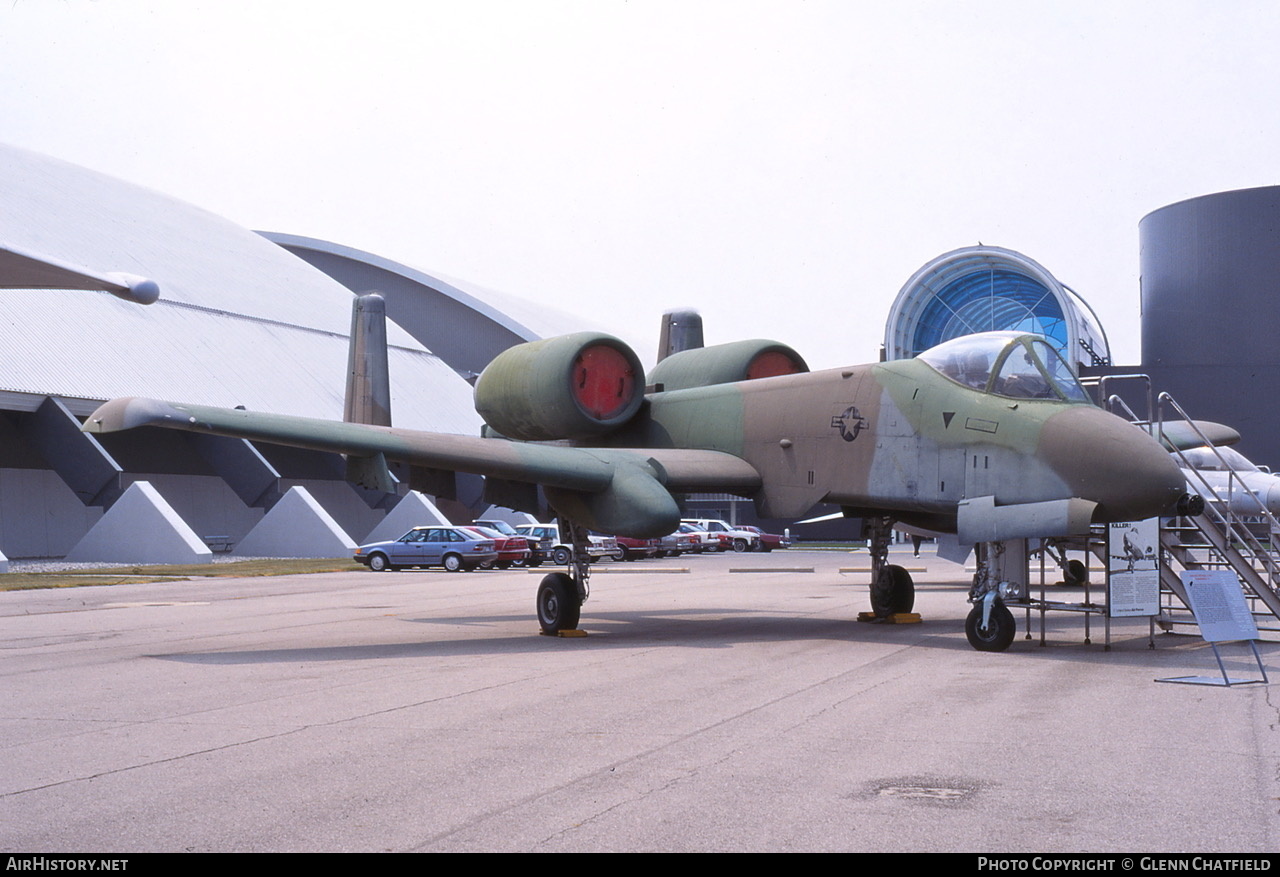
pixel 452 563
pixel 1076 573
pixel 558 605
pixel 892 592
pixel 740 545
pixel 998 636
pixel 378 563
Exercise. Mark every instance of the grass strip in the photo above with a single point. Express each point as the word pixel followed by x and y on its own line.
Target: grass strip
pixel 132 575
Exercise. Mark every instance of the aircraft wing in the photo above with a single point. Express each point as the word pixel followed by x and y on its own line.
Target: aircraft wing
pixel 22 269
pixel 1185 435
pixel 626 491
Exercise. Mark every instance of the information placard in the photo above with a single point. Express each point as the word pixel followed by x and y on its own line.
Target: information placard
pixel 1218 604
pixel 1133 568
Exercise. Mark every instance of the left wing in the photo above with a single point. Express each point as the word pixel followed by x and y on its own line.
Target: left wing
pixel 625 491
pixel 1184 435
pixel 23 269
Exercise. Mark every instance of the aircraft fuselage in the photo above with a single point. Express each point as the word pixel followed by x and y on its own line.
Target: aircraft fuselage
pixel 901 438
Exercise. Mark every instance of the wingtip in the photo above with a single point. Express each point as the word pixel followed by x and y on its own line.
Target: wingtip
pixel 129 412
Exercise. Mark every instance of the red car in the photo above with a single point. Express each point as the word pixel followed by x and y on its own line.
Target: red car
pixel 635 549
pixel 768 541
pixel 512 550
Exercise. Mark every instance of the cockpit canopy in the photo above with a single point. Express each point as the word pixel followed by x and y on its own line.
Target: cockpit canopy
pixel 1011 364
pixel 1216 460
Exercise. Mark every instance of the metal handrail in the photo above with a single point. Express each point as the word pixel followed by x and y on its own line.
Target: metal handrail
pixel 1235 530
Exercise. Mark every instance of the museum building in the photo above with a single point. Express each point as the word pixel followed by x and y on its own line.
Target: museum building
pixel 263 320
pixel 240 321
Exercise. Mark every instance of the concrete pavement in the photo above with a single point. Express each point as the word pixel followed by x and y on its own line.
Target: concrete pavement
pixel 707 710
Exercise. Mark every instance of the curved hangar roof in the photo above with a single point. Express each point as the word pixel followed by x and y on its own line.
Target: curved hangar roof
pixel 465 330
pixel 983 289
pixel 239 321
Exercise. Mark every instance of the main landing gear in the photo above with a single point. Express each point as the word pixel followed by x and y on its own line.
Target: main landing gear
pixel 561 595
pixel 892 590
pixel 990 626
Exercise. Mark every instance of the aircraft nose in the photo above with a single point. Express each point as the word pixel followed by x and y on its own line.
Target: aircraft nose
pixel 1113 463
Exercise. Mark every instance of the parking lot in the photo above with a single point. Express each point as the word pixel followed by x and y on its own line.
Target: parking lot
pixel 719 703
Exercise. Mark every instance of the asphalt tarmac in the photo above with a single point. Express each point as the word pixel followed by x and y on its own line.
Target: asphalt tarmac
pixel 707 710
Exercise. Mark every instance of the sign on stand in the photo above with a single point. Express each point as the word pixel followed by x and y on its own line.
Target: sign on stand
pixel 1133 568
pixel 1218 604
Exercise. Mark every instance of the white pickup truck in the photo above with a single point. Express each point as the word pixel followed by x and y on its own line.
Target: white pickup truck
pixel 559 551
pixel 726 534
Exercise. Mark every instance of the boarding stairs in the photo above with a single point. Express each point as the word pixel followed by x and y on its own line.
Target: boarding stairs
pixel 1220 537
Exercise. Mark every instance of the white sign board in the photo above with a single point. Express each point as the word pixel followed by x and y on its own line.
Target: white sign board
pixel 1218 604
pixel 1133 568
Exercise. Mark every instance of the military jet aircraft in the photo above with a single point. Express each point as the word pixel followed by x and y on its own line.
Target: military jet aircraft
pixel 988 436
pixel 1228 477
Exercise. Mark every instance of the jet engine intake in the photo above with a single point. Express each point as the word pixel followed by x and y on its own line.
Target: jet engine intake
pixel 579 386
pixel 726 364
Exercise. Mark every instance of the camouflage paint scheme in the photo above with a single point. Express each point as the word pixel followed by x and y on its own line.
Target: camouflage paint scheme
pixel 899 439
pixel 895 439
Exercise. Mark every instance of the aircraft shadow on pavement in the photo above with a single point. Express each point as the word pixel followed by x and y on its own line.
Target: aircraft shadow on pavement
pixel 720 628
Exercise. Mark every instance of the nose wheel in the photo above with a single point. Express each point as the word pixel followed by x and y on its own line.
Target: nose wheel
pixel 996 634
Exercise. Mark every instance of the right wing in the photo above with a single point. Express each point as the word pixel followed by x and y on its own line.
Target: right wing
pixel 625 491
pixel 1184 435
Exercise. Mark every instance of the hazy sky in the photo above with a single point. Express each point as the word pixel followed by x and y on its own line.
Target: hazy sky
pixel 784 167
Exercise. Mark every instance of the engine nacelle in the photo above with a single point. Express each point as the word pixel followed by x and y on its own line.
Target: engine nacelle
pixel 726 364
pixel 578 386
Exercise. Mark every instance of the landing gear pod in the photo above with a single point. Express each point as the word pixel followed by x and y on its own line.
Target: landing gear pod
pixel 726 364
pixel 579 386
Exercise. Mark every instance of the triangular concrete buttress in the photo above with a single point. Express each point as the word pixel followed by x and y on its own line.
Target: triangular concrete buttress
pixel 141 527
pixel 415 510
pixel 296 526
pixel 511 516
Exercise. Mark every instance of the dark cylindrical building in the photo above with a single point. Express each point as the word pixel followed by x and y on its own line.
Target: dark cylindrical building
pixel 1210 321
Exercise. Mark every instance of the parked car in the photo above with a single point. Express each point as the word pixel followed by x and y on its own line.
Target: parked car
pixel 512 550
pixel 701 540
pixel 768 541
pixel 560 552
pixel 636 549
pixel 539 548
pixel 454 548
pixel 676 544
pixel 728 536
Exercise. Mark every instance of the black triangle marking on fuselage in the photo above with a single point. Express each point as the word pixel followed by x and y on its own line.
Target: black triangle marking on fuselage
pixel 946 418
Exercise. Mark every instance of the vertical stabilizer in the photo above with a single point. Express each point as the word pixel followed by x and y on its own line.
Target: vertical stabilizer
pixel 368 397
pixel 681 330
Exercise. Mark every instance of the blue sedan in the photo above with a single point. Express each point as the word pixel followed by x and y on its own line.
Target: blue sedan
pixel 453 548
